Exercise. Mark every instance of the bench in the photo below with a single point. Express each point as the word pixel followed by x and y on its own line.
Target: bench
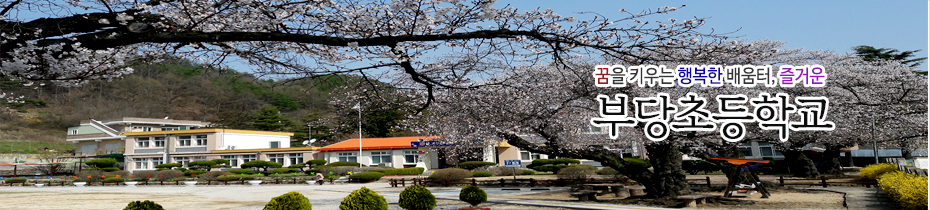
pixel 585 195
pixel 692 200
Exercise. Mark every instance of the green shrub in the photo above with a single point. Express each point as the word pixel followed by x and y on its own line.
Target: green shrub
pixel 504 171
pixel 109 169
pixel 639 162
pixel 264 165
pixel 194 172
pixel 472 165
pixel 316 162
pixel 282 171
pixel 527 172
pixel 228 178
pixel 577 172
pixel 241 171
pixel 366 176
pixel 551 165
pixel 876 170
pixel 336 170
pixel 363 199
pixel 481 174
pixel 101 162
pixel 15 180
pixel 473 195
pixel 610 172
pixel 289 201
pixel 247 178
pixel 143 205
pixel 909 190
pixel 450 174
pixel 299 165
pixel 399 171
pixel 417 197
pixel 168 174
pixel 113 180
pixel 343 164
pixel 167 166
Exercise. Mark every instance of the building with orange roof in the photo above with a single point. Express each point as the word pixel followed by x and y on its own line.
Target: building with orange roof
pixel 411 151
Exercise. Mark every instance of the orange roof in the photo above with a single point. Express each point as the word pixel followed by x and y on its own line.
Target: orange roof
pixel 740 161
pixel 376 143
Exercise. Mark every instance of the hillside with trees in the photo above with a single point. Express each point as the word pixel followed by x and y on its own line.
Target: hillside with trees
pixel 181 89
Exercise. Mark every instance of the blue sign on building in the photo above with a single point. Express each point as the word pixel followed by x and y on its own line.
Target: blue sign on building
pixel 513 163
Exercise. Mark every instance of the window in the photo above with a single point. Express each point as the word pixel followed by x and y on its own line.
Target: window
pixel 74 132
pixel 233 160
pixel 275 144
pixel 142 142
pixel 169 128
pixel 158 161
pixel 142 163
pixel 277 158
pixel 183 161
pixel 380 157
pixel 159 141
pixel 768 150
pixel 526 155
pixel 348 157
pixel 296 158
pixel 201 140
pixel 184 141
pixel 746 149
pixel 247 158
pixel 411 156
pixel 141 128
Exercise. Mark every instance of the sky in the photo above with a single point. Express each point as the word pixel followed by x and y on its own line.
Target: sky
pixel 813 25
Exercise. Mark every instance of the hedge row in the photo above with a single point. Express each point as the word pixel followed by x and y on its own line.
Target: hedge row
pixel 909 190
pixel 400 171
pixel 876 170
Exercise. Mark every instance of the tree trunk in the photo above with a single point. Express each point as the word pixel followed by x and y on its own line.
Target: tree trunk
pixel 800 165
pixel 667 179
pixel 830 162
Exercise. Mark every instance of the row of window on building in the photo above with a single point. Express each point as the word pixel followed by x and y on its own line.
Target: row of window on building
pixel 234 160
pixel 183 141
pixel 410 157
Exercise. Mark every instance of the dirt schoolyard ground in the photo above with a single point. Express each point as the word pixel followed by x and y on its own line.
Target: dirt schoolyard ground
pixel 329 196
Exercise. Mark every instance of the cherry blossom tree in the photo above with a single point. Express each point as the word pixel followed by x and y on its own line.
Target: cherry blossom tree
pixel 547 108
pixel 75 40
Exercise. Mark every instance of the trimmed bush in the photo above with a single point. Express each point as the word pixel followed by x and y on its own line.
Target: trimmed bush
pixel 481 174
pixel 316 162
pixel 282 171
pixel 15 180
pixel 577 172
pixel 473 195
pixel 417 197
pixel 167 166
pixel 101 162
pixel 363 199
pixel 551 165
pixel 610 172
pixel 143 205
pixel 908 190
pixel 472 165
pixel 336 170
pixel 228 178
pixel 400 171
pixel 264 165
pixel 343 164
pixel 450 174
pixel 876 170
pixel 289 201
pixel 527 172
pixel 113 180
pixel 194 172
pixel 640 162
pixel 168 174
pixel 242 171
pixel 504 171
pixel 109 169
pixel 366 176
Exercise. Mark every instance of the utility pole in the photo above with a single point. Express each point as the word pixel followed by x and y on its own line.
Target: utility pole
pixel 874 142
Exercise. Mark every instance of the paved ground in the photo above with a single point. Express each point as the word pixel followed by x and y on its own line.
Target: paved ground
pixel 863 198
pixel 323 197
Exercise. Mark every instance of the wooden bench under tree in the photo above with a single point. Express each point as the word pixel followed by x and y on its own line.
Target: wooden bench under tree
pixel 692 200
pixel 585 195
